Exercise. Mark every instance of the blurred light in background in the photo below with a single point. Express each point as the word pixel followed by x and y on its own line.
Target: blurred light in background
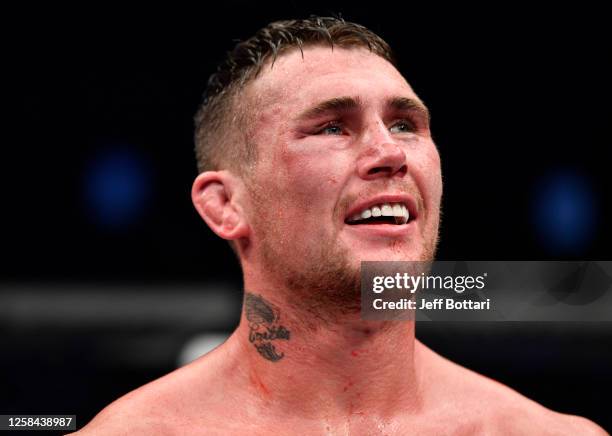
pixel 117 186
pixel 200 345
pixel 565 211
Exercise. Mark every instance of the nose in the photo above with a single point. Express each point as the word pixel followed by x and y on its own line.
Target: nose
pixel 384 159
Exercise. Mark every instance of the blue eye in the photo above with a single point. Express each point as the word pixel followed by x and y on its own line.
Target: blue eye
pixel 331 129
pixel 403 127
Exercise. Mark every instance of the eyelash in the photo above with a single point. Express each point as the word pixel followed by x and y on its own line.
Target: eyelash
pixel 337 124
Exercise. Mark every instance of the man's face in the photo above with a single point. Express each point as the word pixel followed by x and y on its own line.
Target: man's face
pixel 340 135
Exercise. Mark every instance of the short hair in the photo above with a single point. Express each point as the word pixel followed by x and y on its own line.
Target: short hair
pixel 219 115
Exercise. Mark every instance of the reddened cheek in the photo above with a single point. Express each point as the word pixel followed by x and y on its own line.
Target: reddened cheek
pixel 436 166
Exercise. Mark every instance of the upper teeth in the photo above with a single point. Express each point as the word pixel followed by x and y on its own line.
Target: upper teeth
pixel 397 210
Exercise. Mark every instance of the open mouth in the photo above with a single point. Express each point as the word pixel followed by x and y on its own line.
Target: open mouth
pixel 384 213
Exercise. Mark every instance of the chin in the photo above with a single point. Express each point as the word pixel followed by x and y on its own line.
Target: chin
pixel 393 255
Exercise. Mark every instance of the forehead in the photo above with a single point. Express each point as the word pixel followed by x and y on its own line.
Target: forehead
pixel 295 82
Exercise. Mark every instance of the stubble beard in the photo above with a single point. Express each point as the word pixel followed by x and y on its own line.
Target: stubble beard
pixel 325 285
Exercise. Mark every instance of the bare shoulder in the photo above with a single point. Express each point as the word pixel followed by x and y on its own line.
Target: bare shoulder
pixel 522 421
pixel 166 406
pixel 140 412
pixel 528 417
pixel 579 425
pixel 491 407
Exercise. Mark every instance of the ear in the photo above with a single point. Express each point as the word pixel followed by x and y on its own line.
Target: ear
pixel 215 195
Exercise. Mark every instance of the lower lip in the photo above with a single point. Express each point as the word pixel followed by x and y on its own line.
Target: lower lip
pixel 384 230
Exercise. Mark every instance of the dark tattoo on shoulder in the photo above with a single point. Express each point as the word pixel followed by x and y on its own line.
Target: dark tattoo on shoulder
pixel 264 326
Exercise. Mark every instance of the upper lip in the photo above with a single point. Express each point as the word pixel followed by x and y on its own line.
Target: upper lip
pixel 406 199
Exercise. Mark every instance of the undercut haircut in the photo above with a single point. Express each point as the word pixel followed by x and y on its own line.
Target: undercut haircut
pixel 222 134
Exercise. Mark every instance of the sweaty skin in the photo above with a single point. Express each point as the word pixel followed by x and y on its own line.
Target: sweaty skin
pixel 301 362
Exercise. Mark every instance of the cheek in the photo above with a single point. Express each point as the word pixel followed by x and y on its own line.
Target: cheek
pixel 313 186
pixel 314 177
pixel 430 177
pixel 436 174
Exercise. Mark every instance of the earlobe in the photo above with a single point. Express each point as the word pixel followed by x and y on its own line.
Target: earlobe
pixel 214 195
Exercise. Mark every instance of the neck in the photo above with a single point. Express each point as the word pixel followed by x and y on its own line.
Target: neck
pixel 323 370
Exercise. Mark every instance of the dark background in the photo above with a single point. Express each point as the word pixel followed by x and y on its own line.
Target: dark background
pixel 107 271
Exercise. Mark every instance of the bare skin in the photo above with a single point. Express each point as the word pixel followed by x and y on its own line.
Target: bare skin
pixel 302 361
pixel 233 391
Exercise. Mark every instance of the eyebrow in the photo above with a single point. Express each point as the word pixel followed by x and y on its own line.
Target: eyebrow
pixel 404 104
pixel 339 105
pixel 334 105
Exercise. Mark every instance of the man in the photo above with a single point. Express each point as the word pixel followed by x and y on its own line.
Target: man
pixel 316 154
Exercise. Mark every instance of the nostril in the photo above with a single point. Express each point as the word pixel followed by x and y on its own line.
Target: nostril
pixel 402 170
pixel 378 170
